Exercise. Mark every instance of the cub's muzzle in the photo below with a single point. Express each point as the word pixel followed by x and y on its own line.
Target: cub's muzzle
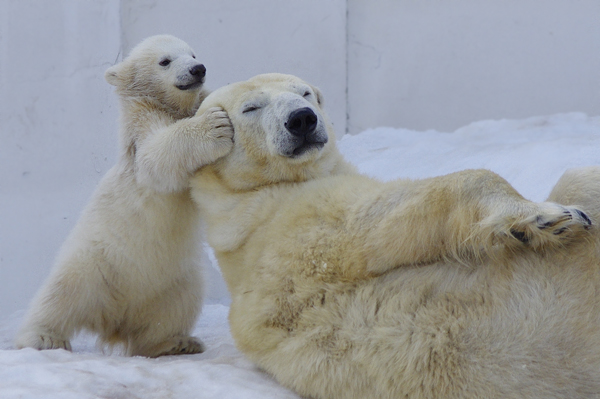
pixel 198 70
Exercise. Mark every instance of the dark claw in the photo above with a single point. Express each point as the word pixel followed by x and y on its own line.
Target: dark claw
pixel 520 235
pixel 553 222
pixel 584 217
pixel 560 231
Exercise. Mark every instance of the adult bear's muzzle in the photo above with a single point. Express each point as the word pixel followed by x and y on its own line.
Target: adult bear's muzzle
pixel 302 124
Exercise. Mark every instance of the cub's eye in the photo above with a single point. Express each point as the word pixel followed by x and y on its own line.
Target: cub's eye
pixel 306 94
pixel 165 62
pixel 193 56
pixel 250 109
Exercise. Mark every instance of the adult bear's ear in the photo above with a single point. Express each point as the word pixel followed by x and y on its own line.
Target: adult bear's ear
pixel 318 94
pixel 112 75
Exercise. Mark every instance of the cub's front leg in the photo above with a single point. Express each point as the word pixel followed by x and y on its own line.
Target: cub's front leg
pixel 463 216
pixel 167 159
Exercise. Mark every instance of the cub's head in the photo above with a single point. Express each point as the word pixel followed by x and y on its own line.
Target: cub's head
pixel 281 133
pixel 163 68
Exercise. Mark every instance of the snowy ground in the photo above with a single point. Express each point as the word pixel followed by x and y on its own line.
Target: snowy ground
pixel 530 153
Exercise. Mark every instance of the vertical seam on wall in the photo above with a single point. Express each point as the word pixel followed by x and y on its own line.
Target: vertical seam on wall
pixel 4 13
pixel 347 70
pixel 121 33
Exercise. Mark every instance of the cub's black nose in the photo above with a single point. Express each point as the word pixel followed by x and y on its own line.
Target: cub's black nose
pixel 198 70
pixel 302 122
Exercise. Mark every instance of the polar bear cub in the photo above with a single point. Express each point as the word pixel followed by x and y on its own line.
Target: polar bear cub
pixel 129 271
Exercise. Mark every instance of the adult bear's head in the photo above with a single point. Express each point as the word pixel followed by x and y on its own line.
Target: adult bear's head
pixel 281 132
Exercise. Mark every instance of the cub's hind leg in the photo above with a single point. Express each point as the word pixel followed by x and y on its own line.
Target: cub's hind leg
pixel 73 297
pixel 164 324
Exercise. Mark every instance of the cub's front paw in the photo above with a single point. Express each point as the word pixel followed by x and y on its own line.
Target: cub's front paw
pixel 218 134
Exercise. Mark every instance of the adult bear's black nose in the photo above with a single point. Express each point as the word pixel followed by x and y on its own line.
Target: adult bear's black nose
pixel 198 70
pixel 302 122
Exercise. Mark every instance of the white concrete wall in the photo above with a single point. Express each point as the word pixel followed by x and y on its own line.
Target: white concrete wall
pixel 239 39
pixel 416 64
pixel 442 64
pixel 57 129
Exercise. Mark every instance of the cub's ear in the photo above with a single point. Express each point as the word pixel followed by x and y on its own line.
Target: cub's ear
pixel 112 75
pixel 318 94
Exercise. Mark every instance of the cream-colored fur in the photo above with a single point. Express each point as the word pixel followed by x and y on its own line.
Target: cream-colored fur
pixel 346 287
pixel 130 270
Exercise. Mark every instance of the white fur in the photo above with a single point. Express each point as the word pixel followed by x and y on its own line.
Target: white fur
pixel 344 287
pixel 130 270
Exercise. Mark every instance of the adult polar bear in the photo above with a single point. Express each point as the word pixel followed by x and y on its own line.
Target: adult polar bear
pixel 129 270
pixel 346 287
